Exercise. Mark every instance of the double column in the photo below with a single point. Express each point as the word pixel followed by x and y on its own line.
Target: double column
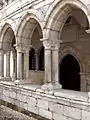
pixel 51 64
pixel 19 62
pixel 22 62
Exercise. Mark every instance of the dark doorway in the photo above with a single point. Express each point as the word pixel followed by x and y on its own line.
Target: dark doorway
pixel 69 73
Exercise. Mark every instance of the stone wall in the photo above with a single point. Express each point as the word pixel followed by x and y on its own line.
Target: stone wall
pixel 55 104
pixel 37 77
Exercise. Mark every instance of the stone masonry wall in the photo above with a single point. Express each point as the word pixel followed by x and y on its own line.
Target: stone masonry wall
pixel 55 104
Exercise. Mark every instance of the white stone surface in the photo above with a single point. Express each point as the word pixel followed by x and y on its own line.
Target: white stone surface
pixel 42 104
pixel 72 112
pixel 59 116
pixel 55 107
pixel 45 113
pixel 85 115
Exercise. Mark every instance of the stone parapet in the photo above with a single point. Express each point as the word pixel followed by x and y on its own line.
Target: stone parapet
pixel 49 104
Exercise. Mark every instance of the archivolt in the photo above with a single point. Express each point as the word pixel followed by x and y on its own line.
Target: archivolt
pixel 72 51
pixel 29 21
pixel 60 10
pixel 6 35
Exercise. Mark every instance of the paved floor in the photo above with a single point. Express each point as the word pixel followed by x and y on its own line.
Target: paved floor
pixel 9 114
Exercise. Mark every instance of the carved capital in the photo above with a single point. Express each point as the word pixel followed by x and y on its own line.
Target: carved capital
pixel 51 44
pixel 46 43
pixel 22 48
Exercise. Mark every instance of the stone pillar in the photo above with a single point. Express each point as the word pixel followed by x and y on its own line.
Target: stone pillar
pixel 26 63
pixel 14 73
pixel 85 82
pixel 48 64
pixel 51 64
pixel 19 65
pixel 1 64
pixel 55 64
pixel 8 65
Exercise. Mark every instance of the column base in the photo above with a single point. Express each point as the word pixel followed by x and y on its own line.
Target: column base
pixel 21 82
pixel 7 79
pixel 50 86
pixel 1 78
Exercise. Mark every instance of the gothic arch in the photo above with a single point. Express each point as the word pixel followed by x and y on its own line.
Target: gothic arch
pixel 7 36
pixel 72 51
pixel 57 15
pixel 28 23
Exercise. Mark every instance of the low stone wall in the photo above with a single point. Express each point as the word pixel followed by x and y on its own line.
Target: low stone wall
pixel 36 77
pixel 51 105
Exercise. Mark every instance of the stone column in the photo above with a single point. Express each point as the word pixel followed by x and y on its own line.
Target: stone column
pixel 55 65
pixel 19 65
pixel 26 63
pixel 51 64
pixel 8 65
pixel 14 65
pixel 1 64
pixel 48 65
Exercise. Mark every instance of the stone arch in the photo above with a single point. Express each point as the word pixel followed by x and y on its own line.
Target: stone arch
pixel 7 39
pixel 7 36
pixel 68 50
pixel 32 20
pixel 69 71
pixel 72 51
pixel 57 15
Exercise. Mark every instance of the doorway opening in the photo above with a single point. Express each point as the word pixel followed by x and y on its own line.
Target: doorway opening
pixel 70 73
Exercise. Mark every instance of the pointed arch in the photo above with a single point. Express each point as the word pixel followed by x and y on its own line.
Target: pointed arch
pixel 58 13
pixel 28 23
pixel 7 36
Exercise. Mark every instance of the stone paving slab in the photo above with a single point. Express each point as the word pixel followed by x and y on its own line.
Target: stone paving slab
pixel 9 114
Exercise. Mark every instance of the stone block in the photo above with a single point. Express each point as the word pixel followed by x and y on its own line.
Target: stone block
pixel 85 115
pixel 19 96
pixel 42 104
pixel 55 107
pixel 45 113
pixel 12 94
pixel 31 101
pixel 72 112
pixel 33 109
pixel 24 98
pixel 59 117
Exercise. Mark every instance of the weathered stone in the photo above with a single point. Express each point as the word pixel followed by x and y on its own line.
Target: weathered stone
pixel 42 104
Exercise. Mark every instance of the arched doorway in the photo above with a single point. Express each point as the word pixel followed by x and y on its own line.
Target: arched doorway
pixel 69 73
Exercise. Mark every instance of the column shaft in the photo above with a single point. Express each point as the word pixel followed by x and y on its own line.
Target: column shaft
pixel 55 66
pixel 19 66
pixel 48 71
pixel 8 64
pixel 14 66
pixel 26 65
pixel 1 64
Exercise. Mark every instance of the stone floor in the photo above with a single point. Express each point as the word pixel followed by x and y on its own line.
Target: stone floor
pixel 9 114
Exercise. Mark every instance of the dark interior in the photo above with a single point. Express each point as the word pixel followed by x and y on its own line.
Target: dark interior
pixel 32 60
pixel 41 59
pixel 69 73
